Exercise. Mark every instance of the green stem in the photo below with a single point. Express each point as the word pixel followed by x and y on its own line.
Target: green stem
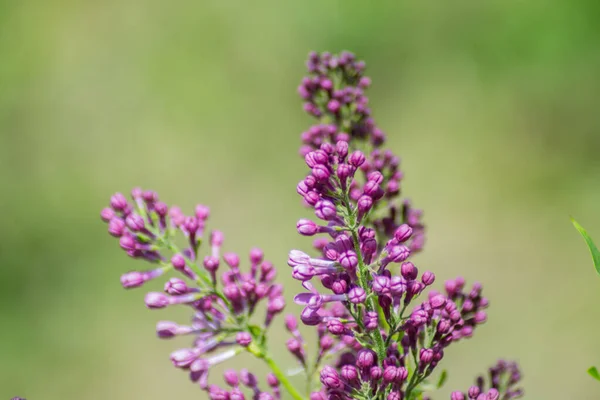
pixel 259 352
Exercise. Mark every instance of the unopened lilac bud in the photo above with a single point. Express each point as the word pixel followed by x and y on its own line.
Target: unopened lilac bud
pixel 256 255
pixel 357 295
pixel 335 327
pixel 232 259
pixel 371 320
pixel 339 286
pixel 211 263
pixel 243 339
pixel 343 172
pixel 132 279
pixel 317 157
pixel 231 377
pixel 127 242
pixel 330 378
pixel 375 373
pixel 364 82
pixel 321 172
pixel 409 271
pixel 348 259
pixel 376 177
pixel 389 374
pixel 397 286
pixel 156 300
pixel 426 356
pixel 457 396
pixel 118 202
pixel 161 209
pixel 333 106
pixel 399 253
pixel 428 278
pixel 306 227
pixel 326 84
pixel 325 209
pixel 176 286
pixel 202 212
pixel 191 225
pixel 166 329
pixel 480 317
pixel 364 203
pixel 402 374
pixel 437 301
pixel 216 238
pixel 381 284
pixel 107 214
pixel 349 373
pixel 474 391
pixel 135 222
pixel 341 148
pixel 365 358
pixel 356 159
pixel 276 305
pixel 403 233
pixel 183 358
pixel 178 262
pixel 493 394
pixel 116 227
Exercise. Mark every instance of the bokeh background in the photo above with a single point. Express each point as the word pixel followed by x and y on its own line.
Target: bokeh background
pixel 492 105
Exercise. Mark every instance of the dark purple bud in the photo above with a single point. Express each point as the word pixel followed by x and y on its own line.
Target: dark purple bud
pixel 426 356
pixel 325 209
pixel 256 255
pixel 339 286
pixel 330 378
pixel 349 373
pixel 210 263
pixel 272 380
pixel 376 177
pixel 375 373
pixel 356 159
pixel 402 374
pixel 326 343
pixel 409 271
pixel 343 172
pixel 116 227
pixel 342 149
pixel 389 374
pixel 321 172
pixel 365 358
pixel 311 198
pixel 306 227
pixel 428 278
pixel 243 339
pixel 373 189
pixel 403 233
pixel 357 295
pixel 364 203
pixel 191 225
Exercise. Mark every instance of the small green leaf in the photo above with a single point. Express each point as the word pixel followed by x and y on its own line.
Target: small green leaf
pixel 588 240
pixel 442 379
pixel 593 371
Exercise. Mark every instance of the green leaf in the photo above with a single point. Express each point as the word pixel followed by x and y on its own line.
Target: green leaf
pixel 442 379
pixel 588 240
pixel 593 371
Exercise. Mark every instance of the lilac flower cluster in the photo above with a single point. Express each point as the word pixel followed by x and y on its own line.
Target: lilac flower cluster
pixel 221 306
pixel 376 337
pixel 503 378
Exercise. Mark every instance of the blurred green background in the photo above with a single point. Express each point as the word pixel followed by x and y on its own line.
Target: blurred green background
pixel 493 106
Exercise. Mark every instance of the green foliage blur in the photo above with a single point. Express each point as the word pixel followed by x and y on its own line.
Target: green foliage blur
pixel 493 106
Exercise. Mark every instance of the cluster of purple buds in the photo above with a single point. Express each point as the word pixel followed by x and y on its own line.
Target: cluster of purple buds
pixel 503 379
pixel 221 304
pixel 375 339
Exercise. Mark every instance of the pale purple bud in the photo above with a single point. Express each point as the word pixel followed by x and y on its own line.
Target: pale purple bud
pixel 376 177
pixel 371 320
pixel 107 214
pixel 176 286
pixel 211 263
pixel 202 212
pixel 132 279
pixel 437 301
pixel 317 157
pixel 191 225
pixel 335 327
pixel 330 378
pixel 341 148
pixel 365 358
pixel 307 227
pixel 166 329
pixel 272 380
pixel 381 284
pixel 243 339
pixel 303 272
pixel 480 317
pixel 493 394
pixel 178 262
pixel 426 356
pixel 343 172
pixel 127 242
pixel 403 233
pixel 333 106
pixel 156 300
pixel 325 209
pixel 116 227
pixel 399 253
pixel 397 286
pixel 161 209
pixel 256 255
pixel 348 259
pixel 183 358
pixel 232 259
pixel 291 323
pixel 231 378
pixel 216 238
pixel 457 396
pixel 474 391
pixel 357 295
pixel 135 222
pixel 118 202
